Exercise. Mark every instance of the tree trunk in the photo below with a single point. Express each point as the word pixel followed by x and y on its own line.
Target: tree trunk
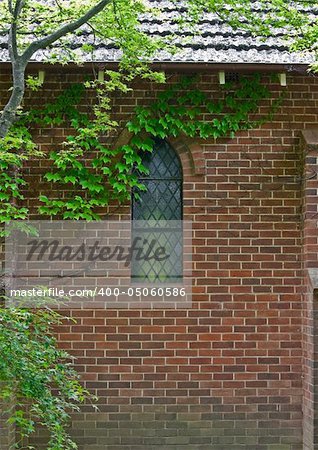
pixel 7 119
pixel 9 114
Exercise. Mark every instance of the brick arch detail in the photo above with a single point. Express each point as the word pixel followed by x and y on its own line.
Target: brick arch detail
pixel 190 151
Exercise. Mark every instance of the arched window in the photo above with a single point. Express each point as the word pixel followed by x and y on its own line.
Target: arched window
pixel 157 214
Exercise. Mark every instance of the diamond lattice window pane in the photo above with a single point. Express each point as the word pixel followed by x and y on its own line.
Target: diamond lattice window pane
pixel 162 162
pixel 168 270
pixel 162 201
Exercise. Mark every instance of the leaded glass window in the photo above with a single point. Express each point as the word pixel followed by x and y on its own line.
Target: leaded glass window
pixel 157 214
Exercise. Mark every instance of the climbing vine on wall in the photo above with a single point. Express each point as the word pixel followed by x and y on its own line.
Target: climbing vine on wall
pixel 94 174
pixel 18 146
pixel 180 109
pixel 183 108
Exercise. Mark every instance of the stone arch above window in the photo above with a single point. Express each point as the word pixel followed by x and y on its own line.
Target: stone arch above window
pixel 189 150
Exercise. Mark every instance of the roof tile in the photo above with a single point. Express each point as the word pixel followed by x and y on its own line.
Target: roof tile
pixel 216 42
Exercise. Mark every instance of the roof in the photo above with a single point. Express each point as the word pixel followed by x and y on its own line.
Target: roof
pixel 216 42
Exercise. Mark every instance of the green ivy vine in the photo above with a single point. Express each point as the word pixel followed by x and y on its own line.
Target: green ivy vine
pixel 180 109
pixel 93 175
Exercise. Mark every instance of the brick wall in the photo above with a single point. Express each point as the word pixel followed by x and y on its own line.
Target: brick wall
pixel 310 311
pixel 226 373
pixel 7 431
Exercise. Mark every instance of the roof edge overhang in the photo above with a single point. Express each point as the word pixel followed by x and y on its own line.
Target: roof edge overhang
pixel 191 67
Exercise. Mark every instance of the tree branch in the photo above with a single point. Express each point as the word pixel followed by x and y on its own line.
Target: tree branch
pixel 12 43
pixel 64 30
pixel 10 8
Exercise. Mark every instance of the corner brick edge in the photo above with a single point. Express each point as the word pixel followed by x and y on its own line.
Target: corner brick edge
pixel 310 138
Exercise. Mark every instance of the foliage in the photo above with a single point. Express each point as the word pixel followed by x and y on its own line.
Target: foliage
pixel 112 176
pixel 31 365
pixel 109 180
pixel 97 175
pixel 180 109
pixel 38 375
pixel 11 180
pixel 118 21
pixel 183 108
pixel 115 20
pixel 31 26
pixel 296 20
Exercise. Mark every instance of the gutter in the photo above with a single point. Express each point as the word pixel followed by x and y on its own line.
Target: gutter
pixel 182 67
